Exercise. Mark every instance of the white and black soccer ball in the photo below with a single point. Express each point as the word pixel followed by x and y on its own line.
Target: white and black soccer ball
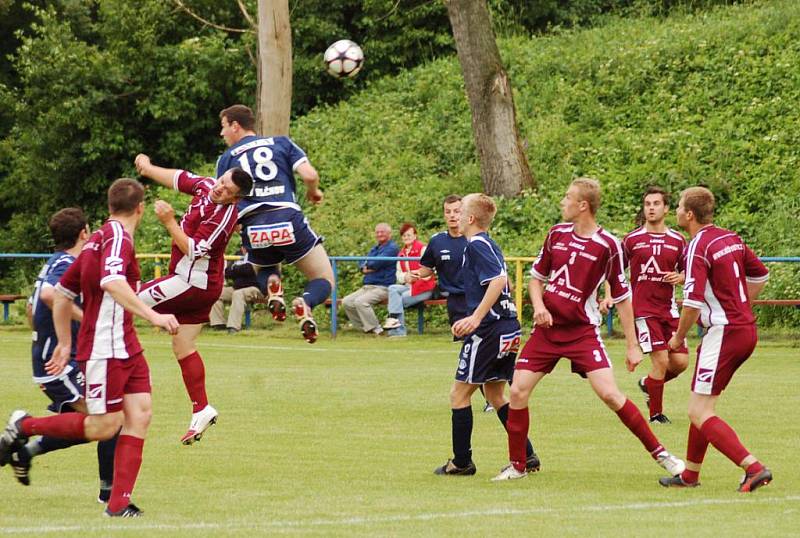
pixel 344 59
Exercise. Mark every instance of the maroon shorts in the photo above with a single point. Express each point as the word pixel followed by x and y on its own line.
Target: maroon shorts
pixel 581 344
pixel 654 334
pixel 173 295
pixel 108 380
pixel 721 352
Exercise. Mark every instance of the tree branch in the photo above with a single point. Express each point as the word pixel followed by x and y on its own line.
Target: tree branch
pixel 247 16
pixel 209 23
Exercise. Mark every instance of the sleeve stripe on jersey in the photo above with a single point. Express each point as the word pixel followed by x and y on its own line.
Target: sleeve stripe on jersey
pixel 299 162
pixel 757 279
pixel 621 298
pixel 64 291
pixel 693 304
pixel 111 278
pixel 175 179
pixel 537 275
pixel 489 246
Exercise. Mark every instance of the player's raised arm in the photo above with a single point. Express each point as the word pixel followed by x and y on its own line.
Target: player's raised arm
pixel 310 178
pixel 163 176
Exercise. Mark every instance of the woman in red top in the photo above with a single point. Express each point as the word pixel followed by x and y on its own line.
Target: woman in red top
pixel 411 289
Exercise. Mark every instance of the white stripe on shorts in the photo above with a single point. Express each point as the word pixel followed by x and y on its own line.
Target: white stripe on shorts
pixel 96 386
pixel 170 287
pixel 645 340
pixel 708 359
pixel 473 353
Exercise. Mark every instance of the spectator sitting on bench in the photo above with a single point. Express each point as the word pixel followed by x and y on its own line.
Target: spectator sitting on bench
pixel 411 289
pixel 378 276
pixel 245 290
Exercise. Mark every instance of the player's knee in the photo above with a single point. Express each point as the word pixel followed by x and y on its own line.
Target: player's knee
pixel 519 395
pixel 103 427
pixel 612 397
pixel 678 364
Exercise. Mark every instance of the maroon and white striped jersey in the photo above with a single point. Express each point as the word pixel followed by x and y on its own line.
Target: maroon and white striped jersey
pixel 718 267
pixel 209 226
pixel 107 329
pixel 650 256
pixel 574 267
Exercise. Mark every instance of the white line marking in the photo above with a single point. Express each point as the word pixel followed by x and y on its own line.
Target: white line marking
pixel 376 520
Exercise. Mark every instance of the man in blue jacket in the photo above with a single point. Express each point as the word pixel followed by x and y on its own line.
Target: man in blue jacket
pixel 378 276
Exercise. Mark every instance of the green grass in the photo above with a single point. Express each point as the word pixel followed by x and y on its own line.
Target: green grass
pixel 340 438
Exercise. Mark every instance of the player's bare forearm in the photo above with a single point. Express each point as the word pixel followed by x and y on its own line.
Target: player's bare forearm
pixel 424 272
pixel 493 291
pixel 179 237
pixel 625 312
pixel 163 176
pixel 754 289
pixel 689 317
pixel 62 314
pixel 536 293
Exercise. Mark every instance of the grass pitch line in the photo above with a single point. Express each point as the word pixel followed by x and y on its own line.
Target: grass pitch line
pixel 300 348
pixel 377 520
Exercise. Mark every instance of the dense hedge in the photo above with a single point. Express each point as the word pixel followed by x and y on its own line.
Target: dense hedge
pixel 711 99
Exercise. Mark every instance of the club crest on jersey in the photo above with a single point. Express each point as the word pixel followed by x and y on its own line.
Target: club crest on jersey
pixel 271 235
pixel 114 265
pixel 95 391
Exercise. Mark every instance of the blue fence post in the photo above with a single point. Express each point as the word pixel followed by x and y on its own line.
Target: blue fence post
pixel 5 311
pixel 610 321
pixel 247 317
pixel 334 298
pixel 421 317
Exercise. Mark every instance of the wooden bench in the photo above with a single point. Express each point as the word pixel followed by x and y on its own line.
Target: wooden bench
pixel 7 300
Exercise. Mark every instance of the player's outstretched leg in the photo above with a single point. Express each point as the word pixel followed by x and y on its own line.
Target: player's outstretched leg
pixel 604 385
pixel 194 379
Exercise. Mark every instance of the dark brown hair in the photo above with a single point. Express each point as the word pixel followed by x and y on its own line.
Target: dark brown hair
pixel 240 114
pixel 66 226
pixel 653 189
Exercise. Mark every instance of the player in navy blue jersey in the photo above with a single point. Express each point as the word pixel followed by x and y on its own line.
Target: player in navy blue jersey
pixel 491 334
pixel 274 229
pixel 65 390
pixel 444 255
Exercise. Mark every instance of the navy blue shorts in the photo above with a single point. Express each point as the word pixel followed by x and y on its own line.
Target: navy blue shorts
pixel 64 390
pixel 277 236
pixel 489 353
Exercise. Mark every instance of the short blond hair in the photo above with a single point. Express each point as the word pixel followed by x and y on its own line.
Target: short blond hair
pixel 480 206
pixel 588 191
pixel 700 201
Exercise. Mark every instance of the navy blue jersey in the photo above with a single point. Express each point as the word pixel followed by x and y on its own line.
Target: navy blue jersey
pixel 445 254
pixel 272 162
pixel 44 333
pixel 483 262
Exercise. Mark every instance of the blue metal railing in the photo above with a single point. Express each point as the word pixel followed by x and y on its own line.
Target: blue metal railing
pixel 334 265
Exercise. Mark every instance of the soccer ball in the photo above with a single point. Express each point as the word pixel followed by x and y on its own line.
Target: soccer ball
pixel 344 59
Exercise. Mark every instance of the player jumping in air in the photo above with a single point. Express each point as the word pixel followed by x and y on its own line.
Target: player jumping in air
pixel 274 228
pixel 196 269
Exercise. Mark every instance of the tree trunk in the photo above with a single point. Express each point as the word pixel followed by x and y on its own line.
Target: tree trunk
pixel 274 67
pixel 504 168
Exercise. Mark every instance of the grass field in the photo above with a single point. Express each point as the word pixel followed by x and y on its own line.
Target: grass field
pixel 340 438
